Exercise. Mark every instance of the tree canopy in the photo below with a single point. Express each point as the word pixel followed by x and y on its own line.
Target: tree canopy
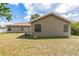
pixel 75 28
pixel 5 11
pixel 34 16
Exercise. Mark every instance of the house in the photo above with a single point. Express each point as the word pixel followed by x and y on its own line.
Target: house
pixel 19 27
pixel 51 25
pixel 3 29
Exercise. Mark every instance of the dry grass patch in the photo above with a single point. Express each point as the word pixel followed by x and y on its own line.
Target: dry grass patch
pixel 10 45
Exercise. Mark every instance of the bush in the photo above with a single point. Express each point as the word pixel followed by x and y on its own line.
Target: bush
pixel 75 29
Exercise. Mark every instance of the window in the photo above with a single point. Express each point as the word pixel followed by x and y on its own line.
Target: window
pixel 65 28
pixel 9 29
pixel 37 27
pixel 22 29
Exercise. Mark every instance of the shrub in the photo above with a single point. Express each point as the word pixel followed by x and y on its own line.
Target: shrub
pixel 75 28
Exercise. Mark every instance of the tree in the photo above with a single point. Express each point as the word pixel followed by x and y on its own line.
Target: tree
pixel 5 11
pixel 75 28
pixel 34 16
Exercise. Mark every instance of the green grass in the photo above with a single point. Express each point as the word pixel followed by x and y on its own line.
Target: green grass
pixel 11 44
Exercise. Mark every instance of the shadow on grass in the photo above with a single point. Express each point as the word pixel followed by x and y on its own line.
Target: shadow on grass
pixel 23 37
pixel 38 38
pixel 75 34
pixel 51 37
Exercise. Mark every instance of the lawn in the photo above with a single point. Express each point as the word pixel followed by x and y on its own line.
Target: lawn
pixel 12 45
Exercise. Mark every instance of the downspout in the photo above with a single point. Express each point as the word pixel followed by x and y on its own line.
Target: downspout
pixel 30 31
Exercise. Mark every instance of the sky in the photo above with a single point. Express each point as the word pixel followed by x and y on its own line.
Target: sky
pixel 22 10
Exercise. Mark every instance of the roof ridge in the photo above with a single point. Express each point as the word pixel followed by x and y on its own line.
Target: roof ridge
pixel 55 14
pixel 20 24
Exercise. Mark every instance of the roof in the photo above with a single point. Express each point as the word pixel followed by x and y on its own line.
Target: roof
pixel 19 24
pixel 54 14
pixel 2 26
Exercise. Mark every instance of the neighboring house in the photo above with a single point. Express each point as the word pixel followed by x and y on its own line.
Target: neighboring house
pixel 19 27
pixel 3 29
pixel 51 25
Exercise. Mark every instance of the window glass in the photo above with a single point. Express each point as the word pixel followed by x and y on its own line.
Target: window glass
pixel 9 29
pixel 37 27
pixel 22 29
pixel 65 28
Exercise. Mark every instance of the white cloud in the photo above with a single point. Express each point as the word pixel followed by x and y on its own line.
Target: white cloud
pixel 2 24
pixel 14 3
pixel 65 7
pixel 27 17
pixel 41 14
pixel 41 1
pixel 65 16
pixel 31 9
pixel 16 16
pixel 72 15
pixel 67 4
pixel 76 14
pixel 62 9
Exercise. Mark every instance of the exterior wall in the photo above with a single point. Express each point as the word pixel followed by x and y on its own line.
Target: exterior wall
pixel 51 26
pixel 18 29
pixel 3 30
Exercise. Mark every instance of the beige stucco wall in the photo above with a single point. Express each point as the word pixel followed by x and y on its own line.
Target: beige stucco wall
pixel 18 29
pixel 51 26
pixel 3 29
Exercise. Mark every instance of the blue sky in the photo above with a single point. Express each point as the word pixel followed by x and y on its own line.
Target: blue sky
pixel 18 12
pixel 21 12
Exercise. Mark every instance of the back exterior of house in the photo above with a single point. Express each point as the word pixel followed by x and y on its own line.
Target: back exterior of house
pixel 50 25
pixel 3 29
pixel 19 27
